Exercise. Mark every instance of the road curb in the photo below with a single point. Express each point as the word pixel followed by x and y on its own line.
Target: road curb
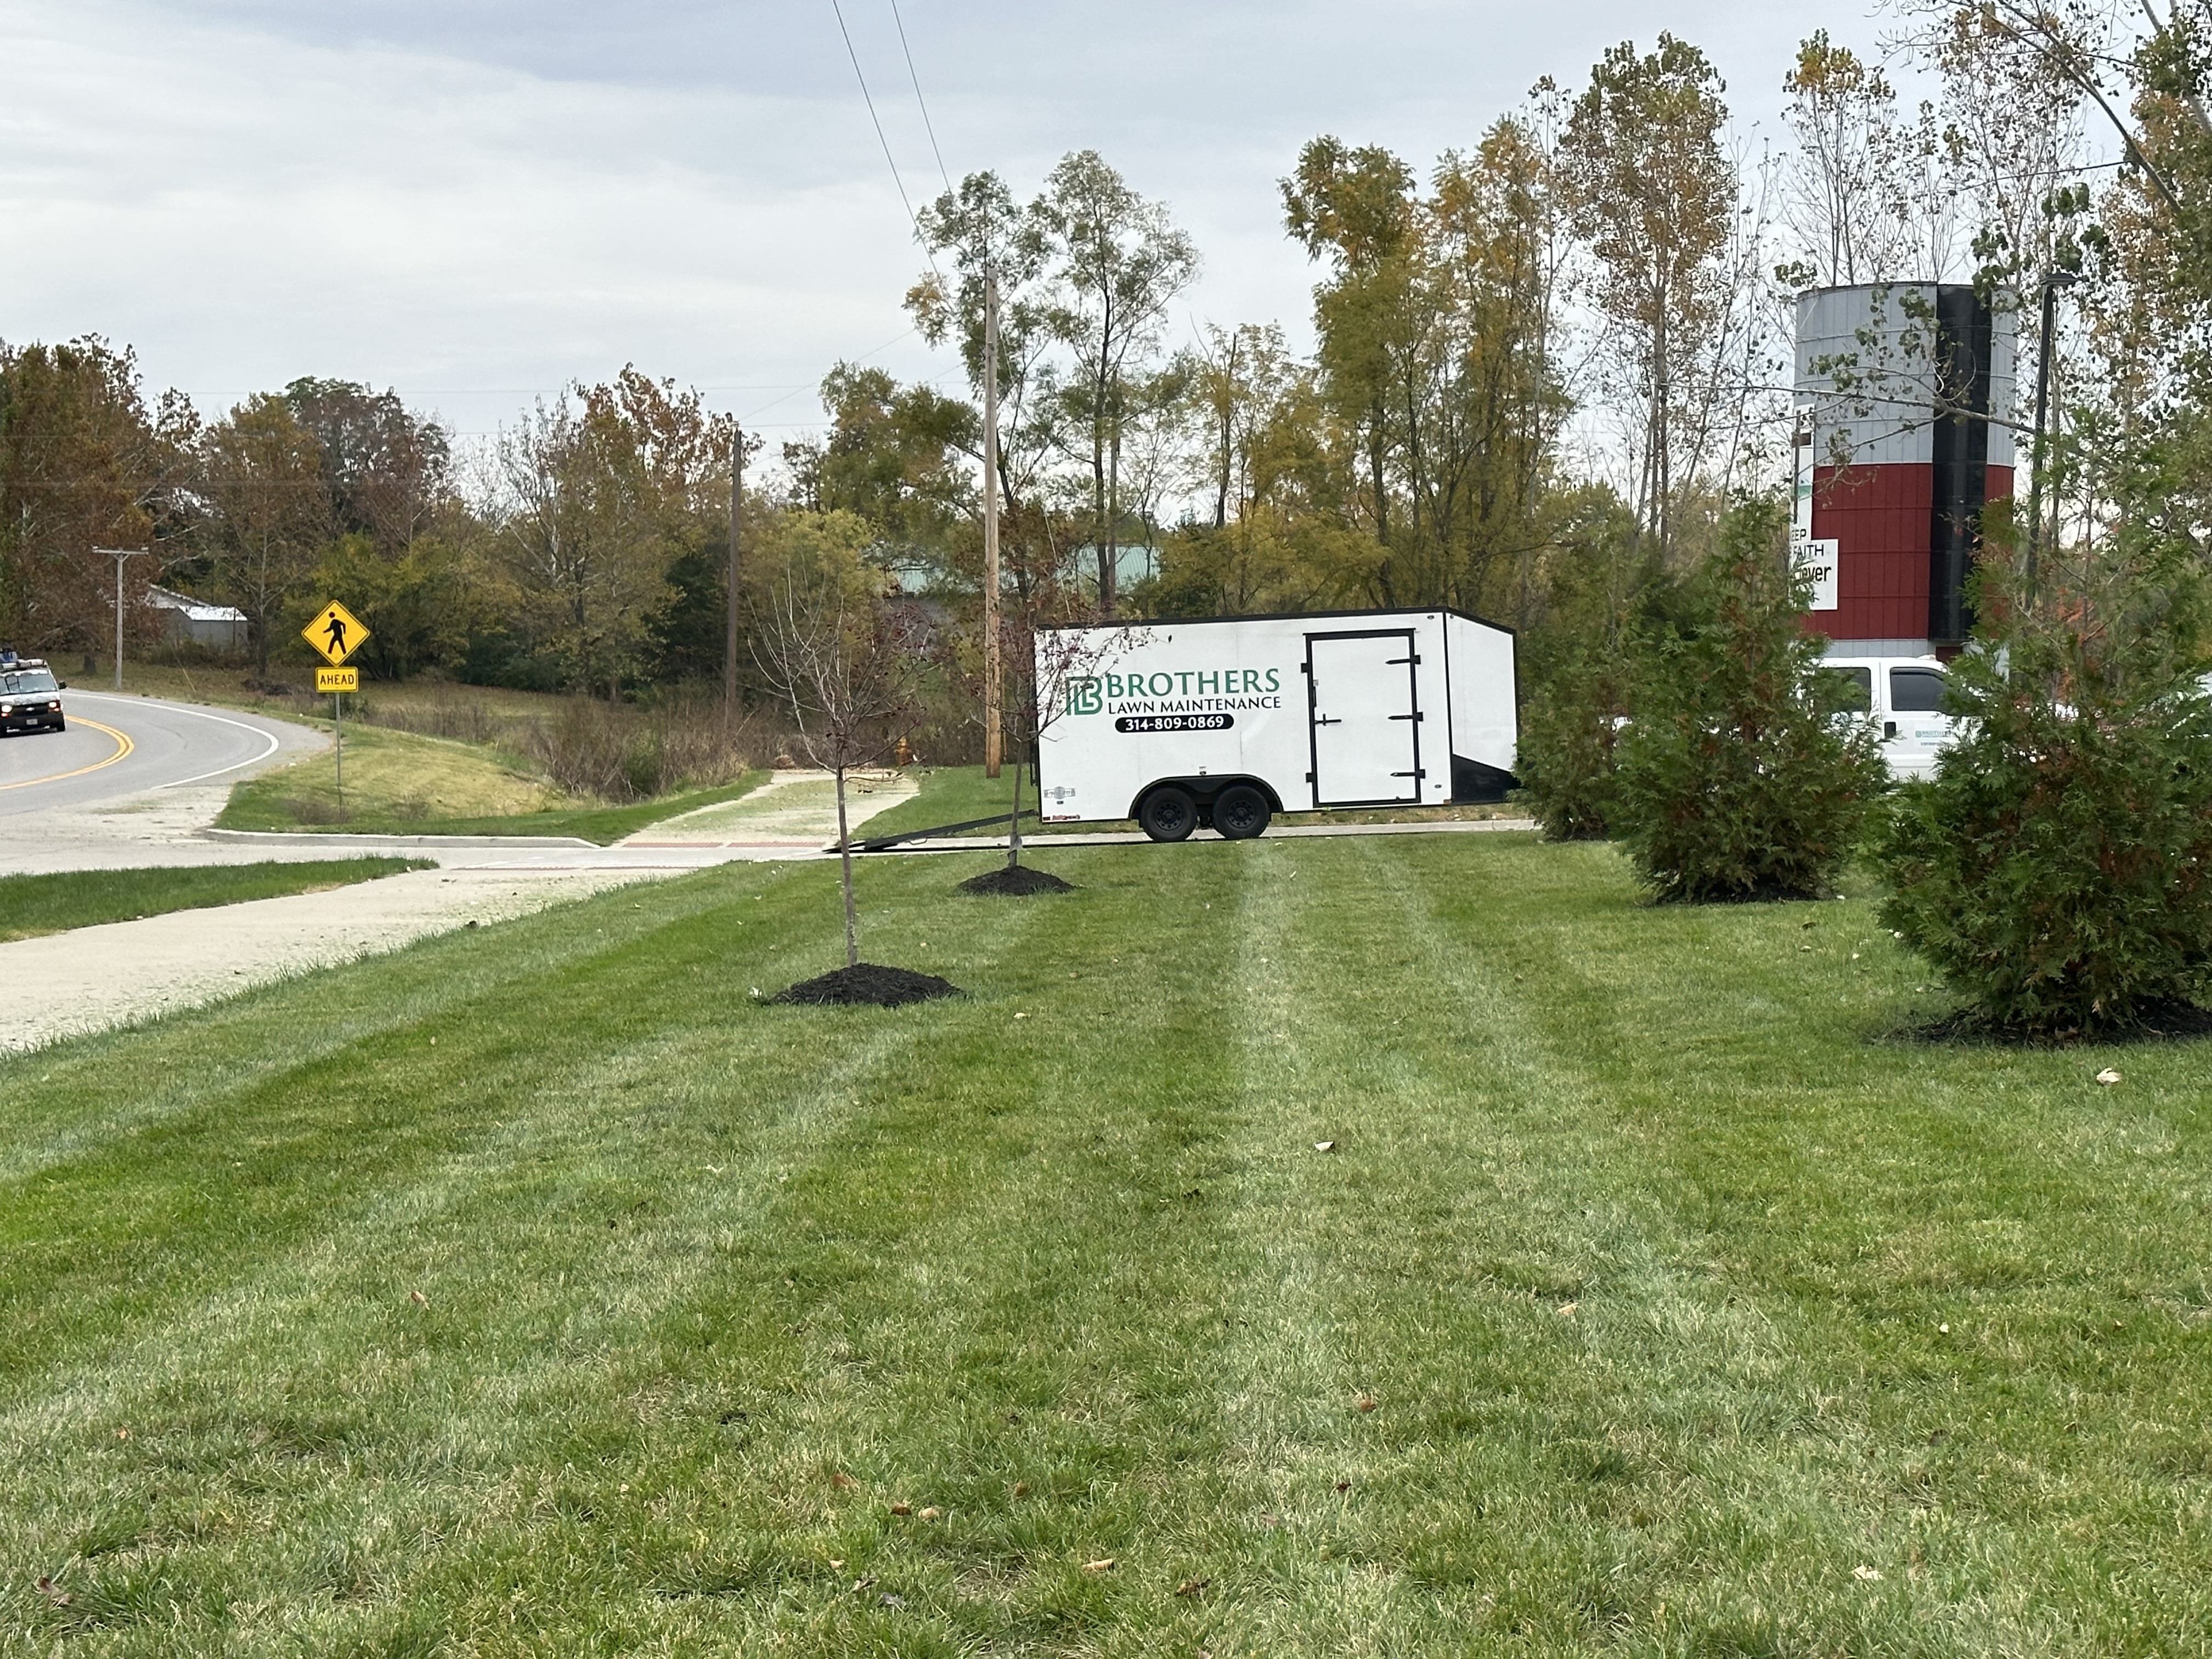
pixel 310 838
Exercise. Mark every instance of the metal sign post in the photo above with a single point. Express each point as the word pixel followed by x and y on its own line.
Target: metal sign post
pixel 337 633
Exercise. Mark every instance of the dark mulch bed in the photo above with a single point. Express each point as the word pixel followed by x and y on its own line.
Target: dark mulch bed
pixel 1017 880
pixel 2162 1022
pixel 1768 895
pixel 867 984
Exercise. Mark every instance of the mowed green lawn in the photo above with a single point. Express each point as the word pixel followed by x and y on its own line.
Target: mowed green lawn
pixel 1648 1304
pixel 33 905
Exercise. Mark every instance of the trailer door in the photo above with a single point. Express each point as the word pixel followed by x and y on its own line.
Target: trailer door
pixel 1365 718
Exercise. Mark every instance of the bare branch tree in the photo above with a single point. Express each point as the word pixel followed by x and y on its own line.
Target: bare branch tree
pixel 1042 659
pixel 850 662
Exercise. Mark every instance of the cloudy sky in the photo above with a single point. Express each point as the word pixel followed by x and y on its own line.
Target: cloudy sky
pixel 476 200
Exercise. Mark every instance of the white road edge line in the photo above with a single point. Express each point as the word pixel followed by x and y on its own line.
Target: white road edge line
pixel 274 742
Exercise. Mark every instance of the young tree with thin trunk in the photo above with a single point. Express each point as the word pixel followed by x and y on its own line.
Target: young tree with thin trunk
pixel 990 239
pixel 1654 197
pixel 848 660
pixel 1855 195
pixel 1437 332
pixel 1045 645
pixel 1119 262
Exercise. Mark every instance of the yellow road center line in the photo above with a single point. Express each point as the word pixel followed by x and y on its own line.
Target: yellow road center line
pixel 123 747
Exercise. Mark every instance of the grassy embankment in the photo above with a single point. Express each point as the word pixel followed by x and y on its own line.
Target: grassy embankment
pixel 399 783
pixel 531 1291
pixel 33 905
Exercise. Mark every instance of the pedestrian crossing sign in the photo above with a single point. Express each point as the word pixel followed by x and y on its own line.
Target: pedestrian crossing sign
pixel 336 632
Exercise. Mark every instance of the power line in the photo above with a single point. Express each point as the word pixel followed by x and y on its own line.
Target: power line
pixel 927 125
pixel 905 200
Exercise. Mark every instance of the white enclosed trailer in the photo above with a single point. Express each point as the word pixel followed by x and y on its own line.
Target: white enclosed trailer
pixel 1228 721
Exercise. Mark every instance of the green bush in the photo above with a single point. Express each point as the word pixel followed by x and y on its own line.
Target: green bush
pixel 1579 657
pixel 1738 778
pixel 1570 734
pixel 2057 868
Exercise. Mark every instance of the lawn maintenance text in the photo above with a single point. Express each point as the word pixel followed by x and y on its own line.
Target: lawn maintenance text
pixel 1219 691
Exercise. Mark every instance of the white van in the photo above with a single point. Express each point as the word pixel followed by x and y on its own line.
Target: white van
pixel 1907 698
pixel 1225 721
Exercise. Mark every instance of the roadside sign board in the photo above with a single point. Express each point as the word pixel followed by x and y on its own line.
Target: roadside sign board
pixel 337 679
pixel 1816 561
pixel 336 632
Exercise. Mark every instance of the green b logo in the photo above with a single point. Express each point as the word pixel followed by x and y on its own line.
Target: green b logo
pixel 1083 697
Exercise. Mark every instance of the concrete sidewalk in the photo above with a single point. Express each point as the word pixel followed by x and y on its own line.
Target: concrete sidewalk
pixel 94 978
pixel 793 816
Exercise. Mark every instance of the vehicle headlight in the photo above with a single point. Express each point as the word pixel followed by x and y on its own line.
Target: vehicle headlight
pixel 7 708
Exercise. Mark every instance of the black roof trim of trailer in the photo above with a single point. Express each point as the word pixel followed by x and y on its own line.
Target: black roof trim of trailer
pixel 1281 616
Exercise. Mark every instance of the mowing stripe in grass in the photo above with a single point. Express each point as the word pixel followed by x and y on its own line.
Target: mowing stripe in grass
pixel 1893 1223
pixel 94 1089
pixel 943 1254
pixel 241 1171
pixel 964 1292
pixel 299 1296
pixel 339 1305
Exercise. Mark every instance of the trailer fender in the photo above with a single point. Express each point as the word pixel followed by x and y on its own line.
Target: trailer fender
pixel 1204 790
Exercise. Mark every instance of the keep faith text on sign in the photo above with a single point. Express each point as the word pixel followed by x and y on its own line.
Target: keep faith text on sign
pixel 1815 561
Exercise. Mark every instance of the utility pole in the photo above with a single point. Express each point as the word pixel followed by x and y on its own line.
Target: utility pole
pixel 730 630
pixel 994 710
pixel 2051 283
pixel 120 555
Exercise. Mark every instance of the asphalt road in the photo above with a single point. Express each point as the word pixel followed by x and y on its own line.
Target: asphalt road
pixel 120 746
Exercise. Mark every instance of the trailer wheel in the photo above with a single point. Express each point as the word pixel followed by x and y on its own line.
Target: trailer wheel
pixel 1168 814
pixel 1241 812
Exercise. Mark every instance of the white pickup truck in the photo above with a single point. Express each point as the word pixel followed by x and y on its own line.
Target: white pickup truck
pixel 1907 698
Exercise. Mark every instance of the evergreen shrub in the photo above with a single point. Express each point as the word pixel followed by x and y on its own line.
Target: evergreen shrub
pixel 1578 658
pixel 1569 732
pixel 1739 775
pixel 2057 867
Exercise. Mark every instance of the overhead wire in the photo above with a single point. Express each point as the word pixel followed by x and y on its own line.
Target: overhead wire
pixel 906 201
pixel 927 125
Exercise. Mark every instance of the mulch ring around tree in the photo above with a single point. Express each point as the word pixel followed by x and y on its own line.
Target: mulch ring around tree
pixel 1017 880
pixel 2166 1021
pixel 865 984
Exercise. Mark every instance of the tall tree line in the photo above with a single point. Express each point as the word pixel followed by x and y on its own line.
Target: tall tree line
pixel 1543 366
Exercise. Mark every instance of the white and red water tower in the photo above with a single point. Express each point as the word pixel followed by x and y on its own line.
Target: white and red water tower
pixel 1904 394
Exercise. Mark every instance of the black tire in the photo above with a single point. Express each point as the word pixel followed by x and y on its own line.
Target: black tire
pixel 61 726
pixel 1241 813
pixel 1168 813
